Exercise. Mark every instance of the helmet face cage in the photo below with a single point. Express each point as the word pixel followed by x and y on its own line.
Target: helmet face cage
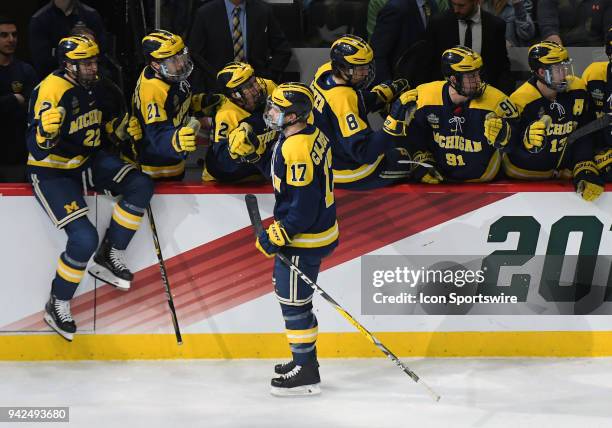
pixel 84 71
pixel 299 104
pixel 274 116
pixel 555 75
pixel 177 67
pixel 250 95
pixel 348 72
pixel 468 84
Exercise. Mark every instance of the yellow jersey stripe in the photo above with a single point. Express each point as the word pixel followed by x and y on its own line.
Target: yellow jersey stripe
pixel 351 175
pixel 314 240
pixel 55 161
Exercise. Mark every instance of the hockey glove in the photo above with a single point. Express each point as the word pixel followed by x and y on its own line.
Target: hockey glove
pixel 587 181
pixel 243 143
pixel 603 160
pixel 534 139
pixel 49 125
pixel 133 129
pixel 271 240
pixel 424 174
pixel 388 91
pixel 496 131
pixel 401 114
pixel 184 139
pixel 206 105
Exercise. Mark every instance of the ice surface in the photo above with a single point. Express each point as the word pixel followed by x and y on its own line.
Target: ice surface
pixel 355 393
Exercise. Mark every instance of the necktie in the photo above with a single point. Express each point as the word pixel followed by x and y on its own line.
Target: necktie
pixel 237 35
pixel 468 33
pixel 427 12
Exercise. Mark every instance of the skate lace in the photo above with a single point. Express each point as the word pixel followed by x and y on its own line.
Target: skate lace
pixel 293 372
pixel 62 308
pixel 116 258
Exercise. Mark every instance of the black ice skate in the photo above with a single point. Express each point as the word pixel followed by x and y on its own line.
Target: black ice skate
pixel 59 317
pixel 301 380
pixel 284 368
pixel 110 268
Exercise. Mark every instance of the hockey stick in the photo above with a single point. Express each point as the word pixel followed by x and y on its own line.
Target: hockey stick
pixel 162 266
pixel 589 128
pixel 253 209
pixel 164 275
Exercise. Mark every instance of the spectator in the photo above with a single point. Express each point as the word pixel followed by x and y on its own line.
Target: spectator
pixel 399 25
pixel 374 8
pixel 574 22
pixel 520 29
pixel 237 30
pixel 465 23
pixel 53 22
pixel 17 79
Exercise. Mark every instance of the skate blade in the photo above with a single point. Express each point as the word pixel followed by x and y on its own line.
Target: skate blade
pixel 297 391
pixel 106 276
pixel 49 320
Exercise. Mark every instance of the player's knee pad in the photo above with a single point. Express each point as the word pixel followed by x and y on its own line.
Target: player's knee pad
pixel 82 239
pixel 137 189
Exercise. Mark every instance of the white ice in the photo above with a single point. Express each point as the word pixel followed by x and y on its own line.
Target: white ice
pixel 355 393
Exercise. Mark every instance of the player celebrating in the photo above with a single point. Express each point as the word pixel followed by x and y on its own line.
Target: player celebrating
pixel 553 103
pixel 304 229
pixel 66 158
pixel 363 159
pixel 596 76
pixel 461 124
pixel 245 99
pixel 162 103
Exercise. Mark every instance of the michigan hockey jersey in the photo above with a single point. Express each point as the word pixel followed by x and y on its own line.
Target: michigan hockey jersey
pixel 568 112
pixel 80 132
pixel 302 177
pixel 453 135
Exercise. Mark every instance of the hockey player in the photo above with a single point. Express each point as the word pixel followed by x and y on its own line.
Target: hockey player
pixel 598 79
pixel 552 104
pixel 460 125
pixel 66 157
pixel 304 229
pixel 245 99
pixel 363 158
pixel 163 102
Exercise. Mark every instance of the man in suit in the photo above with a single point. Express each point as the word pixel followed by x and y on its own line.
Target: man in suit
pixel 466 24
pixel 237 30
pixel 400 24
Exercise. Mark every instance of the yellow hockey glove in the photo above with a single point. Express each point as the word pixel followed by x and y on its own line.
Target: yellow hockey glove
pixel 496 130
pixel 49 125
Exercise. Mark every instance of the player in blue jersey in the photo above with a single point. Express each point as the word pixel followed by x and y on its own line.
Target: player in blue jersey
pixel 304 229
pixel 245 99
pixel 363 158
pixel 164 106
pixel 598 79
pixel 553 103
pixel 461 125
pixel 66 138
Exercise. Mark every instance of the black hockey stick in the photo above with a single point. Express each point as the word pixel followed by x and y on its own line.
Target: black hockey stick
pixel 164 276
pixel 162 265
pixel 589 128
pixel 253 209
